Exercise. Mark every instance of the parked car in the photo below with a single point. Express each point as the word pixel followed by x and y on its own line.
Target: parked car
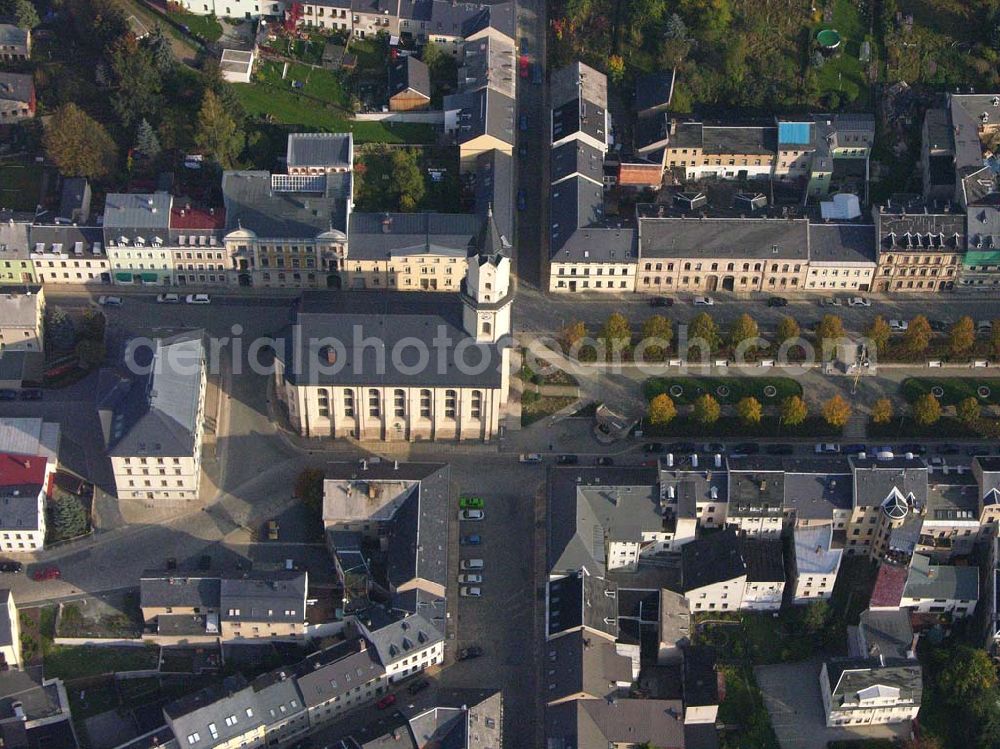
pixel 471 564
pixel 530 458
pixel 682 447
pixel 779 449
pixel 31 394
pixel 10 568
pixel 467 591
pixel 858 301
pixel 198 299
pixel 777 301
pixel 471 515
pixel 898 326
pixel 829 301
pixel 661 301
pixel 472 539
pixel 47 573
pixel 168 299
pixel 418 686
pixel 947 449
pixel 469 578
pixel 984 326
pixel 8 395
pixel 913 447
pixel 109 301
pixel 524 66
pixel 473 651
pixel 536 74
pixel 522 202
pixel 653 447
pixel 855 448
pixel 522 122
pixel 522 150
pixel 567 460
pixel 604 460
pixel 745 448
pixel 703 301
pixel 387 701
pixel 713 447
pixel 938 326
pixel 272 530
pixel 827 448
pixel 470 502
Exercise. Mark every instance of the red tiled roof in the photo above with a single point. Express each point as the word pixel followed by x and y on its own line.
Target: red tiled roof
pixel 889 586
pixel 182 217
pixel 21 470
pixel 640 174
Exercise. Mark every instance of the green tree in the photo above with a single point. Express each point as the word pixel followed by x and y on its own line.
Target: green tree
pixel 788 329
pixel 60 329
pixel 878 331
pixel 572 334
pixel 962 336
pixel 816 616
pixel 309 489
pixel 969 410
pixel 967 673
pixel 793 410
pixel 675 28
pixel 136 81
pixel 69 517
pixel 662 409
pixel 408 182
pixel 616 334
pixel 750 410
pixel 917 337
pixel 90 352
pixel 92 324
pixel 837 411
pixel 744 328
pixel 616 68
pixel 657 333
pixel 703 327
pixel 706 409
pixel 829 330
pixel 146 142
pixel 882 411
pixel 23 13
pixel 78 145
pixel 926 410
pixel 216 132
pixel 162 53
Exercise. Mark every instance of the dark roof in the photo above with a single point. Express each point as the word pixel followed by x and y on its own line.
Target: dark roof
pixel 739 139
pixel 576 157
pixel 494 190
pixel 160 590
pixel 389 318
pixel 582 600
pixel 653 91
pixel 898 231
pixel 764 559
pixel 842 243
pixel 377 236
pixel 758 238
pixel 582 662
pixel 396 640
pixel 483 112
pixel 701 683
pixel 598 724
pixel 67 236
pixel 252 205
pixel 885 633
pixel 875 481
pixel 278 596
pixel 409 73
pixel 939 581
pixel 849 676
pixel 6 634
pixel 579 116
pixel 815 492
pixel 756 493
pixel 500 16
pixel 573 203
pixel 319 149
pixel 711 559
pixel 17 87
pixel 327 675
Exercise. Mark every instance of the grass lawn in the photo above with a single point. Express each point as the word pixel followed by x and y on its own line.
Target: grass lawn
pixel 74 662
pixel 743 712
pixel 538 407
pixel 307 50
pixel 150 18
pixel 953 389
pixel 844 73
pixel 731 427
pixel 207 27
pixel 316 82
pixel 726 390
pixel 288 108
pixel 99 696
pixel 20 186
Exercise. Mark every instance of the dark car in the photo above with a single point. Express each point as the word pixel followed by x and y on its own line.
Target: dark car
pixel 567 460
pixel 387 701
pixel 31 394
pixel 977 450
pixel 536 73
pixel 418 686
pixel 777 301
pixel 523 122
pixel 204 562
pixel 682 447
pixel 853 449
pixel 938 326
pixel 604 460
pixel 714 447
pixel 746 448
pixel 661 301
pixel 947 449
pixel 8 395
pixel 10 568
pixel 779 449
pixel 522 202
pixel 171 563
pixel 914 448
pixel 653 447
pixel 473 651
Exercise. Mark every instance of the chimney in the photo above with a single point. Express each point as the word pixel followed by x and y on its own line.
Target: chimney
pixel 395 465
pixel 386 225
pixel 694 460
pixel 718 460
pixel 670 460
pixel 763 485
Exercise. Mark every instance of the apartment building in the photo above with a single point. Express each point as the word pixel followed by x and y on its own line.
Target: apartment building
pixel 224 716
pixel 340 678
pixel 957 146
pixel 403 646
pixel 265 604
pixel 24 486
pixel 180 604
pixel 765 570
pixel 923 587
pixel 66 254
pixel 17 97
pixel 756 495
pixel 15 43
pixel 198 256
pixel 981 261
pixel 841 257
pixel 889 497
pixel 870 691
pixel 714 573
pixel 700 150
pixel 918 250
pixel 817 562
pixel 137 238
pixel 15 262
pixel 22 318
pixel 153 425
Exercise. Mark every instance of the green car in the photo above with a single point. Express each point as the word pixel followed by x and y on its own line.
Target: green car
pixel 471 503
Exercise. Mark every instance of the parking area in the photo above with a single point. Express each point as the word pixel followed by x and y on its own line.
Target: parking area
pixel 792 696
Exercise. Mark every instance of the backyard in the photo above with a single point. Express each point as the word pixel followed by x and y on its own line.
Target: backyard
pixel 77 661
pixel 843 74
pixel 20 185
pixel 206 27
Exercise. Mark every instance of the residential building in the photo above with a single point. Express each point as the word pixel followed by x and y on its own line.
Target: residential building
pixel 579 101
pixel 74 201
pixel 699 150
pixel 493 192
pixel 35 711
pixel 281 706
pixel 197 256
pixel 17 97
pixel 818 491
pixel 951 522
pixel 726 254
pixel 841 257
pixel 10 633
pixel 67 254
pixel 326 14
pixel 15 262
pixel 926 588
pixel 137 237
pixel 974 120
pixel 581 602
pixel 765 571
pixel 153 425
pixel 31 436
pixel 817 562
pixel 339 679
pixel 693 495
pixel 674 627
pixel 403 646
pixel 22 318
pixel 654 92
pixel 870 691
pixel 24 486
pixel 981 261
pixel 180 604
pixel 889 498
pixel 599 724
pixel 917 251
pixel 15 43
pixel 700 685
pixel 341 388
pixel 826 152
pixel 409 85
pixel 265 604
pixel 224 716
pixel 482 121
pixel 756 494
pixel 937 156
pixel 714 573
pixel 986 470
pixel 580 666
pixel 882 634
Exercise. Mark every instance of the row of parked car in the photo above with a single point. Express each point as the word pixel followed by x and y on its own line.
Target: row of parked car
pixel 471 509
pixel 117 301
pixel 27 394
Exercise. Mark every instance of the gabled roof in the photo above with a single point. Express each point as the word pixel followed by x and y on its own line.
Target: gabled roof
pixel 17 87
pixel 582 600
pixel 842 243
pixel 399 639
pixel 321 149
pixel 494 190
pixel 885 633
pixel 278 596
pixel 711 559
pixel 408 74
pixel 13 36
pixel 598 724
pixel 19 310
pixel 756 238
pixel 377 236
pixel 163 590
pixel 214 715
pixel 580 662
pixel 576 157
pixel 938 581
pixel 329 674
pixel 653 91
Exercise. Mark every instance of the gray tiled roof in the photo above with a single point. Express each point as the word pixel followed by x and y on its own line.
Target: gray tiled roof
pixel 13 36
pixel 739 139
pixel 494 190
pixel 654 90
pixel 483 112
pixel 711 559
pixel 764 559
pixel 580 662
pixel 885 633
pixel 321 149
pixel 582 599
pixel 278 596
pixel 251 204
pixel 813 552
pixel 756 493
pixel 499 16
pixel 874 480
pixel 578 80
pixel 388 317
pixel 408 73
pixel 231 708
pixel 18 310
pixel 966 116
pixel 377 236
pixel 814 493
pixel 758 238
pixel 397 640
pixel 327 675
pixel 89 237
pixel 576 157
pixel 6 633
pixel 488 61
pixel 573 203
pixel 598 724
pixel 842 243
pixel 938 581
pixel 278 696
pixel 14 239
pixel 17 87
pixel 159 590
pixel 899 231
pixel 126 213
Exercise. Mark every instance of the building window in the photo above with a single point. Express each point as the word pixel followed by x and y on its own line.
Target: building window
pixel 373 403
pixel 450 400
pixel 477 404
pixel 349 403
pixel 399 397
pixel 425 404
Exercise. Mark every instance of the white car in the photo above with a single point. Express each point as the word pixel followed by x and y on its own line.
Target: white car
pixel 984 326
pixel 472 564
pixel 703 301
pixel 858 301
pixel 167 299
pixel 471 515
pixel 198 299
pixel 470 578
pixel 827 448
pixel 470 592
pixel 109 301
pixel 530 458
pixel 899 326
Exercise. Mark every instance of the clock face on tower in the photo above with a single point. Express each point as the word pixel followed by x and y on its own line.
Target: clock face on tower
pixel 484 315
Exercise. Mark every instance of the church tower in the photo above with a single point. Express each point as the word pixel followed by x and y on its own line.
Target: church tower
pixel 486 293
